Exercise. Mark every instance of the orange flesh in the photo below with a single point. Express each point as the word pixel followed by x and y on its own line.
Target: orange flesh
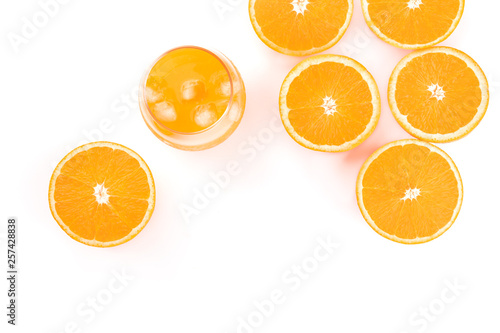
pixel 411 166
pixel 166 81
pixel 127 186
pixel 316 27
pixel 422 25
pixel 462 93
pixel 342 84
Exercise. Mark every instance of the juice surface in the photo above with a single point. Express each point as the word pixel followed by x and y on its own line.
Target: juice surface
pixel 188 90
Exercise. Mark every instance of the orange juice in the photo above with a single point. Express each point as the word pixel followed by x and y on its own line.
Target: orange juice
pixel 192 98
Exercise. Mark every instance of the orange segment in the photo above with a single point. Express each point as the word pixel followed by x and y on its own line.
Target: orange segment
pixel 129 210
pixel 413 24
pixel 438 94
pixel 78 209
pixel 68 188
pixel 134 185
pixel 329 103
pixel 102 194
pixel 109 227
pixel 409 191
pixel 99 159
pixel 300 27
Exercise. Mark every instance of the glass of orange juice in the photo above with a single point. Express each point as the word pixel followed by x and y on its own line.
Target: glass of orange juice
pixel 192 98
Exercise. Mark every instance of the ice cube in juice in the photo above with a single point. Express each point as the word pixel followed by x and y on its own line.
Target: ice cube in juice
pixel 192 98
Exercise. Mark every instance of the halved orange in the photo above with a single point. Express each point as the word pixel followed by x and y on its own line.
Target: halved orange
pixel 409 191
pixel 413 24
pixel 102 194
pixel 300 27
pixel 329 103
pixel 439 94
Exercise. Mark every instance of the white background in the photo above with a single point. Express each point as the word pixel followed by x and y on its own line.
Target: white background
pixel 203 275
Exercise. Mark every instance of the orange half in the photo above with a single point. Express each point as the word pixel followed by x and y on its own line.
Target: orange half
pixel 102 194
pixel 329 103
pixel 438 94
pixel 300 27
pixel 413 24
pixel 409 191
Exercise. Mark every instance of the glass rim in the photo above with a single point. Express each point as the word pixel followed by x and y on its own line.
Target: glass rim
pixel 148 72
